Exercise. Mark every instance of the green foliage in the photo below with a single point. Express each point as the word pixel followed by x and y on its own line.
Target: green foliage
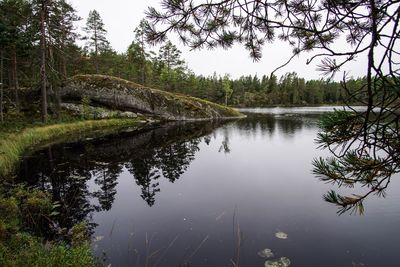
pixel 86 107
pixel 170 56
pixel 96 33
pixel 97 42
pixel 13 25
pixel 10 219
pixel 26 214
pixel 22 249
pixel 338 127
pixel 136 63
pixel 80 234
pixel 345 203
pixel 226 85
pixel 361 158
pixel 21 211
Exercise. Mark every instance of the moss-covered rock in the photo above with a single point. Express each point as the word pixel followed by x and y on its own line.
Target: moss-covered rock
pixel 124 95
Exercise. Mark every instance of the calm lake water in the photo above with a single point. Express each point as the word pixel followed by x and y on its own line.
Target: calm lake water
pixel 208 194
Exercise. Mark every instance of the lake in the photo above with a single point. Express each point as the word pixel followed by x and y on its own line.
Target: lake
pixel 214 194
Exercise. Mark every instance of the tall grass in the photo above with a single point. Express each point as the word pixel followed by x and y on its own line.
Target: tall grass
pixel 14 145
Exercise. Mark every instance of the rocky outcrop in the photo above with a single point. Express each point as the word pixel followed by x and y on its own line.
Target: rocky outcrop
pixel 90 112
pixel 118 94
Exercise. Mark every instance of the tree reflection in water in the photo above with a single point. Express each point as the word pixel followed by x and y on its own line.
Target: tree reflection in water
pixel 169 161
pixel 82 176
pixel 65 170
pixel 106 178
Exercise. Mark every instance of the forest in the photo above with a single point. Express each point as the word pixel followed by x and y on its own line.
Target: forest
pixel 41 47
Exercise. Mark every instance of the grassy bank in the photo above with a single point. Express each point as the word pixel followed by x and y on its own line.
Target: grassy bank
pixel 14 144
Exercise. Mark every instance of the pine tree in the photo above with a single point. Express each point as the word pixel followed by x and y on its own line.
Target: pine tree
pixel 170 56
pixel 96 36
pixel 61 23
pixel 139 44
pixel 172 65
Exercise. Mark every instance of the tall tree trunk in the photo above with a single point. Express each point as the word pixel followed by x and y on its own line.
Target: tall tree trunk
pixel 14 75
pixel 96 51
pixel 54 85
pixel 62 57
pixel 43 60
pixel 63 71
pixel 144 63
pixel 63 80
pixel 1 85
pixel 63 64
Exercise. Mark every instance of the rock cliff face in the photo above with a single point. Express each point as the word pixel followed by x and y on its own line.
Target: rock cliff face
pixel 118 94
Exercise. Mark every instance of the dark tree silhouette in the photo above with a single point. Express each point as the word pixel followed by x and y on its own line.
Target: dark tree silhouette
pixel 106 177
pixel 146 176
pixel 176 158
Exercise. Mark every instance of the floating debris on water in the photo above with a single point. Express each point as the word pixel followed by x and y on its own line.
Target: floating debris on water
pixel 220 216
pixel 77 177
pixel 281 262
pixel 281 235
pixel 266 253
pixel 98 238
pixel 100 163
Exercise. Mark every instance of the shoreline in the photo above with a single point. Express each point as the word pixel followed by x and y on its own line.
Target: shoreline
pixel 14 145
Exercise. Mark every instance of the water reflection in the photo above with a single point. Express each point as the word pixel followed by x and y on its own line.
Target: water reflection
pixel 83 176
pixel 165 160
pixel 203 195
pixel 267 125
pixel 106 178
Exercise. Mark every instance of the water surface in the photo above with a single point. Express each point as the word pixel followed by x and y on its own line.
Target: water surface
pixel 208 194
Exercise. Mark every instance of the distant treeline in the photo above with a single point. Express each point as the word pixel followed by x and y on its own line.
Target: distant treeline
pixel 27 38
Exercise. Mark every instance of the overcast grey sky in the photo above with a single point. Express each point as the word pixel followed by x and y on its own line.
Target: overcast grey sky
pixel 122 16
